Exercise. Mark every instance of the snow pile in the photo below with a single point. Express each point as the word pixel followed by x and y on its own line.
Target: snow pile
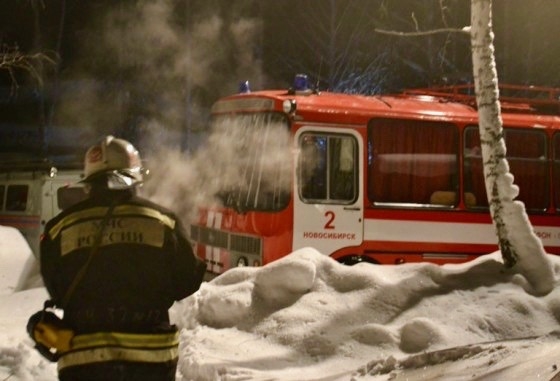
pixel 14 253
pixel 306 317
pixel 18 359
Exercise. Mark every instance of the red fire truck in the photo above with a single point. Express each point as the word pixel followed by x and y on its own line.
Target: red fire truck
pixel 382 179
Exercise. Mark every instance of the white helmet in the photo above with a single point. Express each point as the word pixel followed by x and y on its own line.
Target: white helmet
pixel 117 159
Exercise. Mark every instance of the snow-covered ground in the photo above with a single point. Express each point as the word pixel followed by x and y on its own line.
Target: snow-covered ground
pixel 306 317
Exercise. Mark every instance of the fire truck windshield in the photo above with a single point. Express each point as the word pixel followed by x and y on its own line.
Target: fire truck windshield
pixel 256 157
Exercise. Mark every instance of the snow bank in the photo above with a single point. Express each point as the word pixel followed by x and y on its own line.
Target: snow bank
pixel 18 359
pixel 16 259
pixel 306 315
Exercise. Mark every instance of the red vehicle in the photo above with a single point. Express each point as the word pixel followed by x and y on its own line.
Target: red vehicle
pixel 381 179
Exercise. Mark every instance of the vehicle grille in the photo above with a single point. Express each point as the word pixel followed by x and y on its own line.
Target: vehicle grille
pixel 240 243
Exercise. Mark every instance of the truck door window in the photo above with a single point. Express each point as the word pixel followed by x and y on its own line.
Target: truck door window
pixel 328 168
pixel 16 198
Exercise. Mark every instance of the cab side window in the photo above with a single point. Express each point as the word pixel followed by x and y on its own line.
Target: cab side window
pixel 16 198
pixel 527 158
pixel 328 170
pixel 413 163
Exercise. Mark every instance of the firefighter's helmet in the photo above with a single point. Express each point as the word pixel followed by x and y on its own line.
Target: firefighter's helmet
pixel 115 160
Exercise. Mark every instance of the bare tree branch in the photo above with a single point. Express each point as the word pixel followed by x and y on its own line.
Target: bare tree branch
pixel 416 27
pixel 11 59
pixel 464 31
pixel 442 9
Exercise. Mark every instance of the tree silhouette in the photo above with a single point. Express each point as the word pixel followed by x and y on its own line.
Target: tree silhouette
pixel 13 60
pixel 332 42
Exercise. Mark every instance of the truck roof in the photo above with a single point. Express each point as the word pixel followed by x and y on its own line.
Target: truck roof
pixel 533 107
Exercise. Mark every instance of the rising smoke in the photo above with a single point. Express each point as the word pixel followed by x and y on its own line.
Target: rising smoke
pixel 254 163
pixel 169 62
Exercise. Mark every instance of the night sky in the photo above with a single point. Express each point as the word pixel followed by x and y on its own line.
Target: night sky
pixel 123 63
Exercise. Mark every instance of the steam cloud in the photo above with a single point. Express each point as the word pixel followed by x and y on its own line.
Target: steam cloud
pixel 234 157
pixel 173 66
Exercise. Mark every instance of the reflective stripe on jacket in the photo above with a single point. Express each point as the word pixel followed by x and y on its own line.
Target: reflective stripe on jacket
pixel 116 346
pixel 100 212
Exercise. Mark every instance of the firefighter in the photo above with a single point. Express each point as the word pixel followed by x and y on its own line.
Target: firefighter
pixel 115 263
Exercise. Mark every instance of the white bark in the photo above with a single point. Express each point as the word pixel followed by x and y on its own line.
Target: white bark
pixel 521 249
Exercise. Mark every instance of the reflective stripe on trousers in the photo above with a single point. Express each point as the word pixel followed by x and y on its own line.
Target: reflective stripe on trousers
pixel 116 346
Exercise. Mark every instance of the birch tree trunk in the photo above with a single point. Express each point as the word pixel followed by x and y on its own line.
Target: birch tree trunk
pixel 521 249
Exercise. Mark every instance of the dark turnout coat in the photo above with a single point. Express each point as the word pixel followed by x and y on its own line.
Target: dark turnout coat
pixel 143 264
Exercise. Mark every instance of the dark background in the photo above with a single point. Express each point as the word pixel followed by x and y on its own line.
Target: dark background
pixel 149 70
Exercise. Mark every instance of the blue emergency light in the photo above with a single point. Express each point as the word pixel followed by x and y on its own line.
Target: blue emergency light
pixel 300 82
pixel 244 87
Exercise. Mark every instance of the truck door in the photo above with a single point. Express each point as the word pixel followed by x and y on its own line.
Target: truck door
pixel 328 197
pixel 59 193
